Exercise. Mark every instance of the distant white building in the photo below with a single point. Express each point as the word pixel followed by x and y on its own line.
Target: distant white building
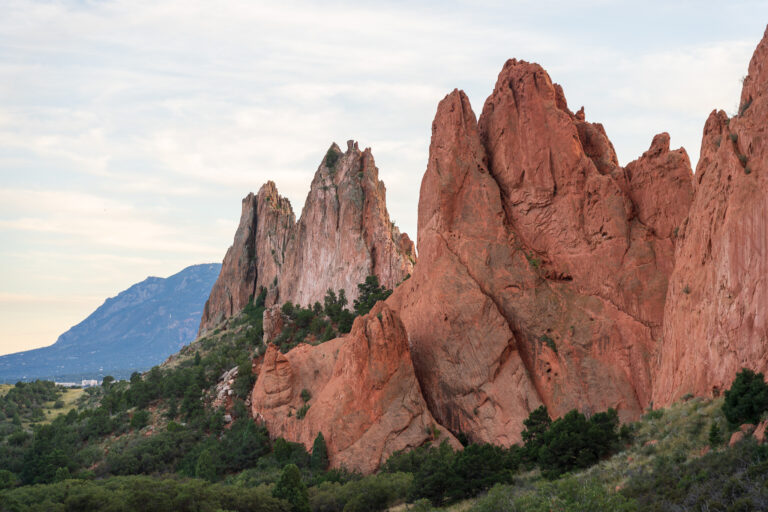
pixel 87 383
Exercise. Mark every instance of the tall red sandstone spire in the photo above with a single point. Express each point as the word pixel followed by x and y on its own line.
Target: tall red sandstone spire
pixel 343 236
pixel 716 317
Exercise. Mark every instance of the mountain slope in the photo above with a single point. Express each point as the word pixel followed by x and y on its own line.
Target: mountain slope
pixel 135 330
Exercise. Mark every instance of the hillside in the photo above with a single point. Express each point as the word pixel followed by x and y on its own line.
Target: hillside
pixel 134 330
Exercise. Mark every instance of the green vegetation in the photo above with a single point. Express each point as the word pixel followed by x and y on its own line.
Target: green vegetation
pixel 158 442
pixel 323 322
pixel 319 458
pixel 331 157
pixel 291 488
pixel 370 294
pixel 747 399
pixel 139 494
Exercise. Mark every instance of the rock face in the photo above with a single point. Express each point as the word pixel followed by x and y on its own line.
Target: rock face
pixel 343 236
pixel 716 321
pixel 255 257
pixel 344 233
pixel 559 261
pixel 548 275
pixel 365 397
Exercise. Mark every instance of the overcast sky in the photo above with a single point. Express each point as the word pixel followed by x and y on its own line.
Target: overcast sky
pixel 130 130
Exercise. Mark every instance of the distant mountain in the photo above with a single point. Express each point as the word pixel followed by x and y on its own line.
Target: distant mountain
pixel 135 330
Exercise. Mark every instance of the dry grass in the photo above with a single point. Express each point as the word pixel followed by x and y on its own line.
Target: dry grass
pixel 69 397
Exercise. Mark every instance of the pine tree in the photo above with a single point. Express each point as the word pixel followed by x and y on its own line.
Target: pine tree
pixel 715 436
pixel 319 459
pixel 206 469
pixel 291 488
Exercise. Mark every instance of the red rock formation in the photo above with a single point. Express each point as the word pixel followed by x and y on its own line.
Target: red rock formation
pixel 344 233
pixel 715 319
pixel 255 257
pixel 364 394
pixel 343 236
pixel 273 323
pixel 518 209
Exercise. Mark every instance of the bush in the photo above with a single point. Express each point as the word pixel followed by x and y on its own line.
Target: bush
pixel 370 294
pixel 140 419
pixel 572 441
pixel 331 157
pixel 747 399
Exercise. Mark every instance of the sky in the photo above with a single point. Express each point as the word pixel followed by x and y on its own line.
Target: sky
pixel 130 130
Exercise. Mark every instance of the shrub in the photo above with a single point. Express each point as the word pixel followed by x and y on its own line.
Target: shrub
pixel 370 294
pixel 574 441
pixel 306 395
pixel 140 419
pixel 302 411
pixel 747 398
pixel 715 436
pixel 331 157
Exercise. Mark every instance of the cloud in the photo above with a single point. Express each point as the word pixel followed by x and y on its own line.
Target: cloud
pixel 130 130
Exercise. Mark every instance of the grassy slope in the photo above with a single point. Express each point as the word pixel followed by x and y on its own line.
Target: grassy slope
pixel 679 432
pixel 69 397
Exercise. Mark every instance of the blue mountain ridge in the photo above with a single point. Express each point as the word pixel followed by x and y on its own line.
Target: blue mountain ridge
pixel 133 331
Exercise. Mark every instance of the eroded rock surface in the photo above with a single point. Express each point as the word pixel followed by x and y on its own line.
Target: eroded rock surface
pixel 343 236
pixel 559 261
pixel 365 397
pixel 716 319
pixel 255 257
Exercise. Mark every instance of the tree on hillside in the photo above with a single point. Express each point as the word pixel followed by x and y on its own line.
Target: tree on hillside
pixel 747 399
pixel 319 459
pixel 291 488
pixel 536 425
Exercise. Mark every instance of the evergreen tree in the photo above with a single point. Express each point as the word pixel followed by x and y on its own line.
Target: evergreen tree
pixel 206 468
pixel 747 399
pixel 715 436
pixel 370 294
pixel 319 459
pixel 536 425
pixel 291 488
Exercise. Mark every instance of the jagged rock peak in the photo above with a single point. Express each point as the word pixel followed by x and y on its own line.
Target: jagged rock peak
pixel 344 235
pixel 715 320
pixel 345 232
pixel 756 81
pixel 516 208
pixel 255 257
